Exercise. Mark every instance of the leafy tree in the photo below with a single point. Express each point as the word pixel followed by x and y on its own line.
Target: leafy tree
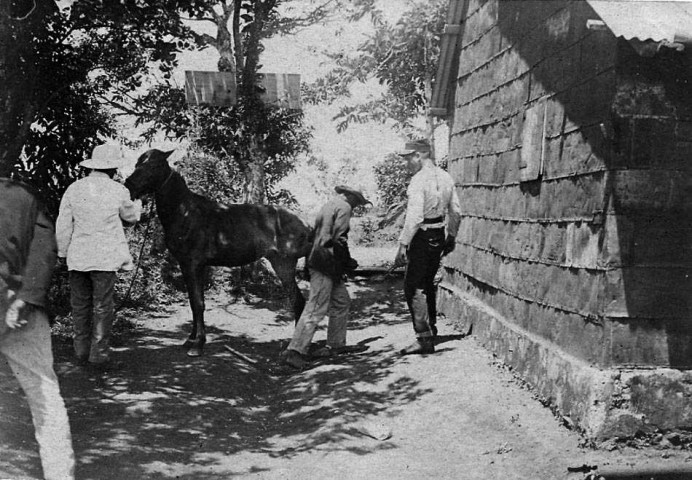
pixel 403 57
pixel 254 148
pixel 392 177
pixel 63 67
pixel 262 140
pixel 68 73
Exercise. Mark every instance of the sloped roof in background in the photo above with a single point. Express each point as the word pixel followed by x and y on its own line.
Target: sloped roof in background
pixel 667 21
pixel 646 24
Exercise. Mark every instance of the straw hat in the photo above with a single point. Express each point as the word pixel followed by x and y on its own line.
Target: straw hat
pixel 416 146
pixel 104 157
pixel 352 191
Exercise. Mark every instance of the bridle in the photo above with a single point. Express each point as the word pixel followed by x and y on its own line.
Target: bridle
pixel 165 181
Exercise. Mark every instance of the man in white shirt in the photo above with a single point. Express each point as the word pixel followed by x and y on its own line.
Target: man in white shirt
pixel 432 208
pixel 90 235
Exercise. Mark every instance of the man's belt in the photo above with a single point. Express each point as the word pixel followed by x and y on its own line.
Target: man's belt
pixel 433 223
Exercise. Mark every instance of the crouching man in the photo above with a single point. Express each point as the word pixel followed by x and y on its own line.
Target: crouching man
pixel 328 263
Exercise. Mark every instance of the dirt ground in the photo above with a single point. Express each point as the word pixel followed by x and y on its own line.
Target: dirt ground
pixel 455 414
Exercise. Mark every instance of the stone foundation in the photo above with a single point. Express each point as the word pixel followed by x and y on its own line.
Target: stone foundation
pixel 601 403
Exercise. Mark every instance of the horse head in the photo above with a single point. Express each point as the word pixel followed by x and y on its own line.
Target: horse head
pixel 150 173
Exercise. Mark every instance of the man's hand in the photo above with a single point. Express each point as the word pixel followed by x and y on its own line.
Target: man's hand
pixel 351 265
pixel 401 257
pixel 13 317
pixel 450 243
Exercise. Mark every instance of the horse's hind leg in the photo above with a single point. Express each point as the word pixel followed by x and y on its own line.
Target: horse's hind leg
pixel 194 280
pixel 285 268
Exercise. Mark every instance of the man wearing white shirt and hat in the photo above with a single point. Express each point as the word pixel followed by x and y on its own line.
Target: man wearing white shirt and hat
pixel 90 235
pixel 432 220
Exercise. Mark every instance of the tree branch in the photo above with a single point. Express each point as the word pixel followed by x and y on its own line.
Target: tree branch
pixel 25 17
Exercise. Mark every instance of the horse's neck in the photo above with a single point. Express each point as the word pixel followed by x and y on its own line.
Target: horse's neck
pixel 170 195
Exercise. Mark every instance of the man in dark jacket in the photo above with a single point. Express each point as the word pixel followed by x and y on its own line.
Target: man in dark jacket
pixel 27 257
pixel 328 262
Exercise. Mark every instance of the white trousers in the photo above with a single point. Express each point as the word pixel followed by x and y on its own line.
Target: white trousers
pixel 327 297
pixel 29 353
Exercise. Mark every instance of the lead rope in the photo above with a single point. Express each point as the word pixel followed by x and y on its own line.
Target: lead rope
pixel 139 262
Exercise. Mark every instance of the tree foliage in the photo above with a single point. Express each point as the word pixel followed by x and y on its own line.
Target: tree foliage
pixel 65 66
pixel 225 136
pixel 402 56
pixel 262 140
pixel 392 177
pixel 70 73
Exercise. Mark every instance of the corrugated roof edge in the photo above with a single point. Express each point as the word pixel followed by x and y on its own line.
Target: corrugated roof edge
pixel 668 22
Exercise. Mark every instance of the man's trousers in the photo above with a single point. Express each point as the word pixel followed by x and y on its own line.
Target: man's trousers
pixel 327 297
pixel 424 254
pixel 93 312
pixel 28 352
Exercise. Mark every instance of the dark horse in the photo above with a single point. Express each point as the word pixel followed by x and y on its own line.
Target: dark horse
pixel 201 232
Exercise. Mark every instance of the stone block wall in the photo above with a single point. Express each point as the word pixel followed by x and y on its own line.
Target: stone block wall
pixel 572 158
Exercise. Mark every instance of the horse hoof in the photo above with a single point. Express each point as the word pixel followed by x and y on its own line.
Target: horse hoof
pixel 194 352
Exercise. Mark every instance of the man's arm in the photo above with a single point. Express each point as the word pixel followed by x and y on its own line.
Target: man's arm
pixel 341 224
pixel 453 220
pixel 412 221
pixel 130 211
pixel 40 263
pixel 414 212
pixel 453 213
pixel 64 226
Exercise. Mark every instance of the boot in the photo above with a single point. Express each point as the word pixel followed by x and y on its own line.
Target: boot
pixel 421 345
pixel 293 359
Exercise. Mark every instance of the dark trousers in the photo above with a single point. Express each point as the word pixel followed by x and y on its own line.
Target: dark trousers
pixel 93 313
pixel 424 254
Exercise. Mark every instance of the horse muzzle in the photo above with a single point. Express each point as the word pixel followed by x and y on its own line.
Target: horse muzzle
pixel 135 192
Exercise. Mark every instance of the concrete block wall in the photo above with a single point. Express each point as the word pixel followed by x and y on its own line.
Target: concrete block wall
pixel 571 155
pixel 530 249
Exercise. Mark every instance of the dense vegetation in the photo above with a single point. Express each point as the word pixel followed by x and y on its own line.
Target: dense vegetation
pixel 74 69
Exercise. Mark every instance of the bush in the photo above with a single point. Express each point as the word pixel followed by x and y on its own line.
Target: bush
pixel 392 179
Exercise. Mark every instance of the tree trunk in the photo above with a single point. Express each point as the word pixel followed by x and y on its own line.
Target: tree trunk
pixel 253 190
pixel 17 76
pixel 225 46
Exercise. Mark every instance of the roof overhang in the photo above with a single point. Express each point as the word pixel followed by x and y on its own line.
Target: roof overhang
pixel 448 58
pixel 647 24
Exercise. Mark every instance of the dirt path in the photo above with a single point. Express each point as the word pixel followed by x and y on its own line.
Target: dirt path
pixel 373 415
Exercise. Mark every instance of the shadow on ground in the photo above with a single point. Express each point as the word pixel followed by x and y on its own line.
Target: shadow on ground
pixel 162 412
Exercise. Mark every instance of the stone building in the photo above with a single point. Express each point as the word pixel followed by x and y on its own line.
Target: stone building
pixel 571 145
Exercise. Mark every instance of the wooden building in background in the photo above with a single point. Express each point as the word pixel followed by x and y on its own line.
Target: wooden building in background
pixel 571 145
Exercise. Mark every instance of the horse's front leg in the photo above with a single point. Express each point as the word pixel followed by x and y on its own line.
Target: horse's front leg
pixel 285 268
pixel 194 280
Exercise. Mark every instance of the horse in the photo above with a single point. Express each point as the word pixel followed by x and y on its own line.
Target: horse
pixel 200 232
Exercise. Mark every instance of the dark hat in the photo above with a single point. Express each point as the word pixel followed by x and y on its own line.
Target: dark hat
pixel 350 191
pixel 415 146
